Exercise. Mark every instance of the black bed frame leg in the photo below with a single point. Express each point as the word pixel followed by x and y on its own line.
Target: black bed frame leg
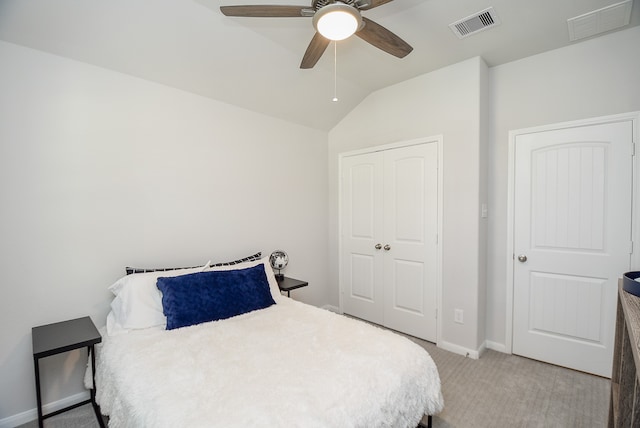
pixel 429 422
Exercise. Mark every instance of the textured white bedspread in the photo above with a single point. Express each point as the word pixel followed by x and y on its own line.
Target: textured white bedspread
pixel 290 365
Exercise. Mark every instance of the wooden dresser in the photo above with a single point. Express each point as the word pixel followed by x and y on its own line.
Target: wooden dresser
pixel 624 408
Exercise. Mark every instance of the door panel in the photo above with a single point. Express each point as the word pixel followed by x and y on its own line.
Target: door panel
pixel 410 230
pixel 361 219
pixel 362 277
pixel 409 287
pixel 567 306
pixel 363 199
pixel 406 194
pixel 569 197
pixel 573 224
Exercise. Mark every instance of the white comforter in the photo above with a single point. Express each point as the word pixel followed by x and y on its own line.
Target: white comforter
pixel 290 365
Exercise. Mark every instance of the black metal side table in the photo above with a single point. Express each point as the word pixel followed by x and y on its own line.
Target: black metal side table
pixel 52 339
pixel 287 284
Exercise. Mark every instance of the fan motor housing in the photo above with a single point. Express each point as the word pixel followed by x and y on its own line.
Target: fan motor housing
pixel 319 4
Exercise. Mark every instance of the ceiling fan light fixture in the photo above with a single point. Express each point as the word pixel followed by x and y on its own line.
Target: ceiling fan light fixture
pixel 337 21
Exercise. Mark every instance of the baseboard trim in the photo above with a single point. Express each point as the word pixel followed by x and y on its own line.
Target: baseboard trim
pixel 32 415
pixel 460 350
pixel 500 347
pixel 483 349
pixel 332 309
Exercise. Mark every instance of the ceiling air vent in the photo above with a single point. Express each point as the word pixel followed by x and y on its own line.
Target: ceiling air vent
pixel 599 21
pixel 475 23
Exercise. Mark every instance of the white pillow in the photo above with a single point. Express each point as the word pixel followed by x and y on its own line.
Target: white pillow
pixel 113 327
pixel 271 278
pixel 138 302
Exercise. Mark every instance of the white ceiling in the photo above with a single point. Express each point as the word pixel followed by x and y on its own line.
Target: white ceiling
pixel 254 62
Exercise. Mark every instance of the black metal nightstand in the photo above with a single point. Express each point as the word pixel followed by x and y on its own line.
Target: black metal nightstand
pixel 288 284
pixel 52 339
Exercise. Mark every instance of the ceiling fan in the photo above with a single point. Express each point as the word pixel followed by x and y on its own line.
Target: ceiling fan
pixel 366 29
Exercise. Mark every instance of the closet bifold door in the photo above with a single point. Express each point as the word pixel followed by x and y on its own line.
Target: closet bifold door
pixel 389 207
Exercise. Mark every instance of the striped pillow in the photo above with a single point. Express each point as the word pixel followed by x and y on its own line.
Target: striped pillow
pixel 251 258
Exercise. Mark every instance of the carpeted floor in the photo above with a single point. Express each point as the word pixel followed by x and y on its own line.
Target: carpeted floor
pixel 501 390
pixel 496 391
pixel 81 417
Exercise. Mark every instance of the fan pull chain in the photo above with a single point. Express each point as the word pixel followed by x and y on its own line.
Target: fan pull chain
pixel 335 71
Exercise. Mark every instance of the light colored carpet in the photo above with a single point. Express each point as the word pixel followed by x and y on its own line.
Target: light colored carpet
pixel 501 390
pixel 496 391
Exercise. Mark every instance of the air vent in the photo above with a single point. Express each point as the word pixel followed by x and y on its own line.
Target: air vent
pixel 600 21
pixel 475 23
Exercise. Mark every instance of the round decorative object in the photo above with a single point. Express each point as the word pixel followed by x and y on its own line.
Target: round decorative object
pixel 278 259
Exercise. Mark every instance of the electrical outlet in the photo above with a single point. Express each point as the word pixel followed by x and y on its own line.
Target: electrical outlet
pixel 458 316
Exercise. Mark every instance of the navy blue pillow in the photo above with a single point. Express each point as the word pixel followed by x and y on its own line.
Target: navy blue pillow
pixel 209 296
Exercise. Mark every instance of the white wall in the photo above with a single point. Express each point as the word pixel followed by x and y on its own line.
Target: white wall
pixel 99 170
pixel 594 78
pixel 448 102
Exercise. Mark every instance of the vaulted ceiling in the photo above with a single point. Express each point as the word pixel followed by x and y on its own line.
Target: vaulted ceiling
pixel 254 62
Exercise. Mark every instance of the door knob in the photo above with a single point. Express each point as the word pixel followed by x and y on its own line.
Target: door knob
pixel 387 247
pixel 522 258
pixel 378 246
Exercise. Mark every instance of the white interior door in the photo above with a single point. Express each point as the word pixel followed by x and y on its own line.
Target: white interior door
pixel 572 240
pixel 361 219
pixel 410 239
pixel 389 221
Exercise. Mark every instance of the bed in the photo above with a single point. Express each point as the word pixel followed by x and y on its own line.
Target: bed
pixel 286 364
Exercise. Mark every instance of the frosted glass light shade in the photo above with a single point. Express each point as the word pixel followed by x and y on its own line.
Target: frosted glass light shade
pixel 337 21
